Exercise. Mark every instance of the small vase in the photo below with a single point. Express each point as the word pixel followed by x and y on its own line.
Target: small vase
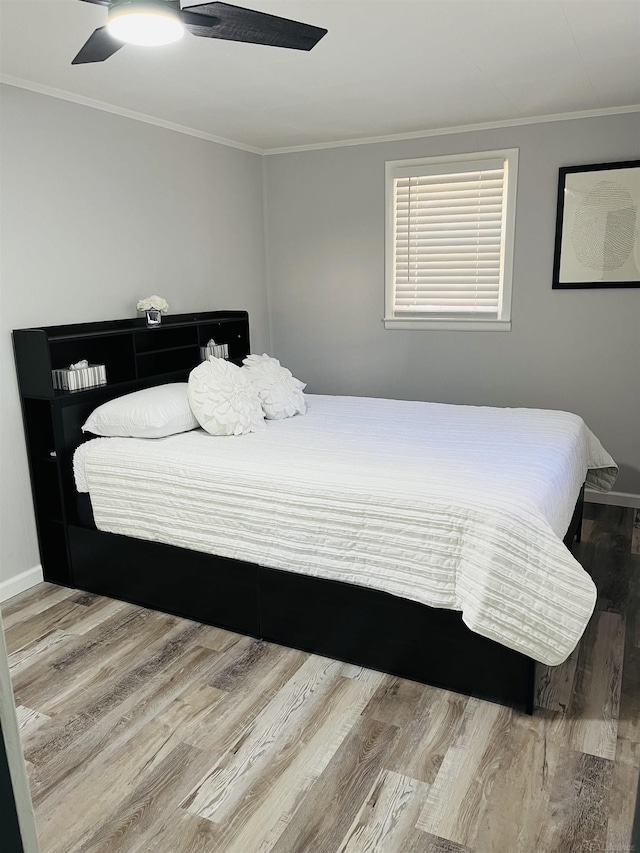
pixel 154 317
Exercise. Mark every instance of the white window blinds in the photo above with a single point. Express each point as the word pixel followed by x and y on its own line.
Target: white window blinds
pixel 448 240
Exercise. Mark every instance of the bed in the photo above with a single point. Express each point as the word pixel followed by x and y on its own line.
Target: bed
pixel 449 507
pixel 373 604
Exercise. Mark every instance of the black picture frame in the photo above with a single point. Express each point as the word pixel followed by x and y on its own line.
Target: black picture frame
pixel 588 229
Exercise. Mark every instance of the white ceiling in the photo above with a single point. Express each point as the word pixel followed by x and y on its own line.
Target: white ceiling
pixel 386 67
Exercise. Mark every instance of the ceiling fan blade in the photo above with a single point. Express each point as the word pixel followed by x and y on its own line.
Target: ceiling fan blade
pixel 99 2
pixel 233 23
pixel 100 46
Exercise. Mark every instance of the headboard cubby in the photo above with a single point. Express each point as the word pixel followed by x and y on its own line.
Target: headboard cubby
pixel 136 356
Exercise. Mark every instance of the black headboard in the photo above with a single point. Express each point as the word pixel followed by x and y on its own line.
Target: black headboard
pixel 135 356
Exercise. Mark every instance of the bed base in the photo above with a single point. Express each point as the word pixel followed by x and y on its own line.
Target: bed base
pixel 351 623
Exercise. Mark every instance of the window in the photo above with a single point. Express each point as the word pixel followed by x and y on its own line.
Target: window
pixel 449 249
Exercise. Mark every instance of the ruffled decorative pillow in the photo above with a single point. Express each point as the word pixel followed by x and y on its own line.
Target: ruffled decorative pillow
pixel 280 393
pixel 223 398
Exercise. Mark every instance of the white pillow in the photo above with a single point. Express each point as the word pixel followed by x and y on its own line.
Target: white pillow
pixel 280 393
pixel 150 413
pixel 223 399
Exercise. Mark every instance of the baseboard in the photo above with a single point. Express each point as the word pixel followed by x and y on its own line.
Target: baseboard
pixel 25 580
pixel 613 498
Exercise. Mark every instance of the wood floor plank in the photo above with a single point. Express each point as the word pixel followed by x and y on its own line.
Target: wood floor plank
pixel 29 603
pixel 158 791
pixel 219 640
pixel 388 816
pixel 635 536
pixel 633 605
pixel 264 809
pixel 33 653
pixel 98 611
pixel 427 736
pixel 29 720
pixel 361 673
pixel 606 556
pixel 554 726
pixel 265 804
pixel 183 833
pixel 249 656
pixel 129 693
pixel 594 706
pixel 40 624
pixel 395 701
pixel 100 788
pixel 124 667
pixel 104 682
pixel 587 529
pixel 554 684
pixel 68 666
pixel 88 599
pixel 578 805
pixel 424 842
pixel 457 797
pixel 628 744
pixel 318 826
pixel 190 707
pixel 217 796
pixel 622 802
pixel 65 752
pixel 526 774
pixel 254 682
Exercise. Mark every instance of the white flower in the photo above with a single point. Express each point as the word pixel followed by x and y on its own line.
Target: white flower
pixel 280 393
pixel 223 399
pixel 154 301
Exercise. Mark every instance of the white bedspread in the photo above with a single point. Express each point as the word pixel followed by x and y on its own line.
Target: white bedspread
pixel 454 506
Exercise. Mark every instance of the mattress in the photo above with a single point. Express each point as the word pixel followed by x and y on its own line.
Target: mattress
pixel 458 507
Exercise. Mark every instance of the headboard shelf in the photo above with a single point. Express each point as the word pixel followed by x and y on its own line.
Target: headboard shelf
pixel 116 327
pixel 125 347
pixel 136 356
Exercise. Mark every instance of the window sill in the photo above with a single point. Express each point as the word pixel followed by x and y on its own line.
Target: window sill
pixel 448 325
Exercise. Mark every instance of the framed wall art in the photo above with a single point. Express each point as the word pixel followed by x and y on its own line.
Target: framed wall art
pixel 598 226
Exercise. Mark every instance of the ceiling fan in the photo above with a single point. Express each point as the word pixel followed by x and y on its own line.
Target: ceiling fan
pixel 155 22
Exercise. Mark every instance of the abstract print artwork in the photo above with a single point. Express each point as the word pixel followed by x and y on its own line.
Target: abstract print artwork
pixel 598 226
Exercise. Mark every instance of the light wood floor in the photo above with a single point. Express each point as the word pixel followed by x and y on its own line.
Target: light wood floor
pixel 145 733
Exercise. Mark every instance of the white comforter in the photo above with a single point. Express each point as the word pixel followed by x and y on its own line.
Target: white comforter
pixel 454 506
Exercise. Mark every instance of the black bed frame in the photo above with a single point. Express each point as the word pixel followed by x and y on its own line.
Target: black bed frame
pixel 343 621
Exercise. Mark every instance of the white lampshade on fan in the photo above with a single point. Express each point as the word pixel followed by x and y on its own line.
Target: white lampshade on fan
pixel 145 24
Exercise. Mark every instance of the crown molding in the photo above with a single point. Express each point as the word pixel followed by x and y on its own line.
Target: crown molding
pixel 63 95
pixel 462 128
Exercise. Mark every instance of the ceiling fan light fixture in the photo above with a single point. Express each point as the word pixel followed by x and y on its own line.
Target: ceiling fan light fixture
pixel 144 24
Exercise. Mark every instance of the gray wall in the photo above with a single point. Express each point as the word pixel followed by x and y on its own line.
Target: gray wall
pixel 97 211
pixel 572 350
